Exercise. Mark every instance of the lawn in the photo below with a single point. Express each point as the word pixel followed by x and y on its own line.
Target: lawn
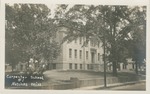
pixel 56 76
pixel 52 77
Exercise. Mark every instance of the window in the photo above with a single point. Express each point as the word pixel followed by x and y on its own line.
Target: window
pixel 98 56
pixel 98 44
pixel 75 41
pixel 86 54
pixel 21 67
pixel 80 54
pixel 92 43
pixel 132 66
pixel 86 44
pixel 70 53
pixel 80 40
pixel 70 65
pixel 139 66
pixel 75 53
pixel 124 66
pixel 80 66
pixel 55 55
pixel 54 66
pixel 76 67
pixel 88 66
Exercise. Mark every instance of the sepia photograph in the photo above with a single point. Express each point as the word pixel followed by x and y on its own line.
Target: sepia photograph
pixel 75 47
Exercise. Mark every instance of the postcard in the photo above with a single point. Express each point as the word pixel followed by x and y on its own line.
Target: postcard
pixel 74 46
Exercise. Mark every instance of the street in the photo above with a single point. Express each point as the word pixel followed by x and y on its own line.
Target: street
pixel 137 86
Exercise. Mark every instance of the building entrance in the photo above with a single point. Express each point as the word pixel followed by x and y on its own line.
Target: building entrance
pixel 92 57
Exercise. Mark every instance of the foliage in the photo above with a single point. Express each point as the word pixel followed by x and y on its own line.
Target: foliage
pixel 112 23
pixel 30 33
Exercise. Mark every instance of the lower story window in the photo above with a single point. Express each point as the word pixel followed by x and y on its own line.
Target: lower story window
pixel 124 66
pixel 88 66
pixel 133 66
pixel 76 67
pixel 80 66
pixel 70 66
pixel 54 66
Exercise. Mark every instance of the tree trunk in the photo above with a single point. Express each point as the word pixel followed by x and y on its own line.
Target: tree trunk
pixel 114 56
pixel 140 66
pixel 13 66
pixel 114 68
pixel 136 67
pixel 114 61
pixel 51 64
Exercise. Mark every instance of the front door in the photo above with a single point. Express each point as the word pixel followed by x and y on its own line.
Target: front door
pixel 92 57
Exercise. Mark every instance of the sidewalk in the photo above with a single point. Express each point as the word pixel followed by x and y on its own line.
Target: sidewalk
pixel 101 87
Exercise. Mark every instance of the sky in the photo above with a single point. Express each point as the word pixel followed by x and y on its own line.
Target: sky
pixel 52 7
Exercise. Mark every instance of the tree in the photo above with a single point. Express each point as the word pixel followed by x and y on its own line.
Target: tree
pixel 29 33
pixel 121 22
pixel 139 37
pixel 98 22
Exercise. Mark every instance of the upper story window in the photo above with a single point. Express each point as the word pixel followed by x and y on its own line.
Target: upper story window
pixel 76 66
pixel 80 40
pixel 98 56
pixel 70 65
pixel 86 54
pixel 80 54
pixel 80 66
pixel 75 53
pixel 92 43
pixel 98 44
pixel 75 41
pixel 70 53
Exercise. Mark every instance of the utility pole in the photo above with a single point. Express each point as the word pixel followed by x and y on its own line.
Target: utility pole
pixel 105 82
pixel 84 53
pixel 104 57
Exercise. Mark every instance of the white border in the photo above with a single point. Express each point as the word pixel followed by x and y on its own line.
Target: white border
pixel 99 2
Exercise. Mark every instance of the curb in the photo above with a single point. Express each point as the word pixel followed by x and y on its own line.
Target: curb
pixel 101 87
